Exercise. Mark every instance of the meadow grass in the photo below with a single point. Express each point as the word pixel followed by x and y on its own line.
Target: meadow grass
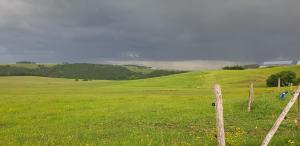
pixel 171 110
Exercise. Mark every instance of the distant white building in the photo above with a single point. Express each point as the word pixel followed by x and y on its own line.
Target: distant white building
pixel 298 62
pixel 277 63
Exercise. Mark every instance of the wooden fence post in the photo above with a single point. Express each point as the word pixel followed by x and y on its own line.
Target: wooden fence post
pixel 251 96
pixel 279 84
pixel 298 122
pixel 281 118
pixel 219 115
pixel 291 86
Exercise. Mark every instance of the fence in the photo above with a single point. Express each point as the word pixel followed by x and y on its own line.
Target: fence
pixel 271 133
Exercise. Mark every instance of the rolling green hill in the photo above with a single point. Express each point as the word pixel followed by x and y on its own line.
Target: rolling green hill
pixel 84 71
pixel 169 110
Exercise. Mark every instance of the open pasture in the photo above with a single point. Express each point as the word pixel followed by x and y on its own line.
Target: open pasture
pixel 170 110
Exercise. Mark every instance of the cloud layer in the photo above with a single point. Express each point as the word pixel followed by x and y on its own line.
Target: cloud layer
pixel 160 30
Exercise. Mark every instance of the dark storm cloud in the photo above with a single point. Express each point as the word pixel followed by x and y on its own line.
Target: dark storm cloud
pixel 95 30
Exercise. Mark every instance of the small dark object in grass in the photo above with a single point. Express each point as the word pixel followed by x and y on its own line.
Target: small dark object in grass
pixel 285 117
pixel 213 104
pixel 283 95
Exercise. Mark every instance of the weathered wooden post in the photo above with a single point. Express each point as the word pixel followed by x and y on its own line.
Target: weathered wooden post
pixel 219 115
pixel 298 122
pixel 279 84
pixel 281 118
pixel 251 96
pixel 291 86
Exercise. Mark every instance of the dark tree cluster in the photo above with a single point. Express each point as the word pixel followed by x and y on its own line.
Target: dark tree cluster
pixel 25 62
pixel 236 67
pixel 286 78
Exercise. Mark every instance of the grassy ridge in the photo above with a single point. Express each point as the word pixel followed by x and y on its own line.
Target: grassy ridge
pixel 170 110
pixel 30 66
pixel 84 71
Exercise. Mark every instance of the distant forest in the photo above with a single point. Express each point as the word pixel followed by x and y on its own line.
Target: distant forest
pixel 85 71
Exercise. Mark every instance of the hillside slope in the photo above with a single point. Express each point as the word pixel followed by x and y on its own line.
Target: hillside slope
pixel 205 79
pixel 84 71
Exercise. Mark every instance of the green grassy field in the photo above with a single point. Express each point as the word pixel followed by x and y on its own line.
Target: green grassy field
pixel 171 110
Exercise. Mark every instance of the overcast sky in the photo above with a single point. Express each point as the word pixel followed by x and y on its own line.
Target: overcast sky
pixel 149 30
